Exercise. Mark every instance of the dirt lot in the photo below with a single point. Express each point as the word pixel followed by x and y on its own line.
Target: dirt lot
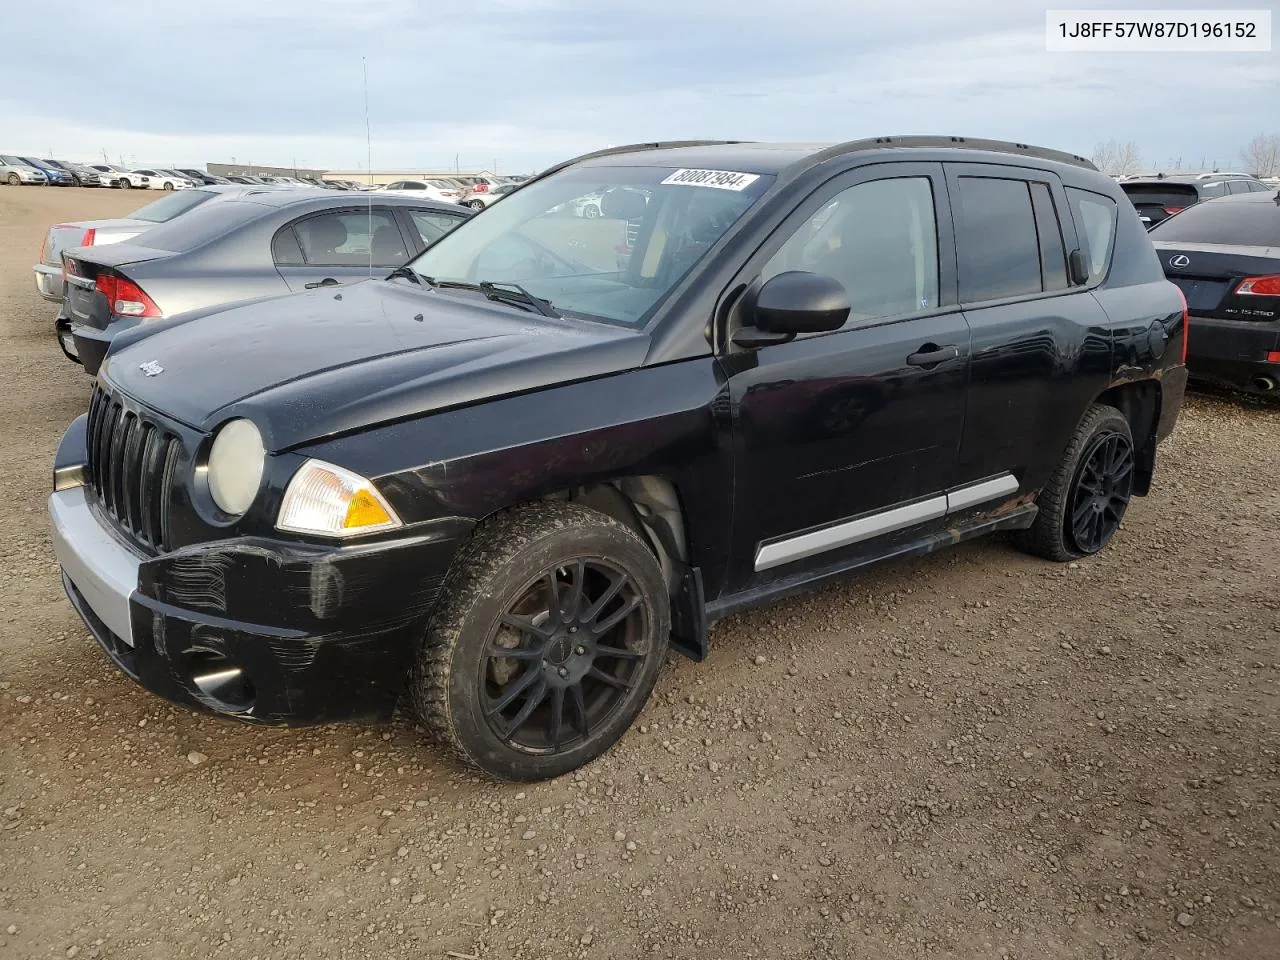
pixel 975 754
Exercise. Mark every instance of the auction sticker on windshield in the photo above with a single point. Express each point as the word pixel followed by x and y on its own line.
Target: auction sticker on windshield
pixel 719 179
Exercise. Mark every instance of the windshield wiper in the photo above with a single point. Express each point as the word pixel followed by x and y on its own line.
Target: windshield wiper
pixel 514 293
pixel 410 274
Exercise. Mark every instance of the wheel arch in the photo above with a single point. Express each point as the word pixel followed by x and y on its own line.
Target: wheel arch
pixel 1139 401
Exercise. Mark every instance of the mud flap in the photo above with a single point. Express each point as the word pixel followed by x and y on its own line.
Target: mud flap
pixel 689 615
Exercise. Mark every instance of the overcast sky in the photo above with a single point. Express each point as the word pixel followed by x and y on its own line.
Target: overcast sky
pixel 528 82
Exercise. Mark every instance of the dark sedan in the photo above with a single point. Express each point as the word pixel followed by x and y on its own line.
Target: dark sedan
pixel 1157 198
pixel 265 243
pixel 1225 257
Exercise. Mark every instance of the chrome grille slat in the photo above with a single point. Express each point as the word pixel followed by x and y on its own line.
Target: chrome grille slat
pixel 131 469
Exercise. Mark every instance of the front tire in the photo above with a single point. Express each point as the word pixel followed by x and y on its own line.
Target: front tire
pixel 547 641
pixel 1084 501
pixel 125 184
pixel 15 180
pixel 167 185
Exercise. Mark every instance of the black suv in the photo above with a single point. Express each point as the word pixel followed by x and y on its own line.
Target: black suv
pixel 514 472
pixel 1156 198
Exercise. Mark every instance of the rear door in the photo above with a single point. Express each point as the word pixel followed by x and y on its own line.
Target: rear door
pixel 1041 347
pixel 340 246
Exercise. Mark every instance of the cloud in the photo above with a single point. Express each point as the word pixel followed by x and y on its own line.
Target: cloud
pixel 528 82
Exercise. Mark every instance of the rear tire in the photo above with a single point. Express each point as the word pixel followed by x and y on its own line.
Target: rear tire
pixel 547 641
pixel 591 212
pixel 1084 501
pixel 476 205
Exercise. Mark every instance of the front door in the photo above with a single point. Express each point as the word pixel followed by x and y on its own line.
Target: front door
pixel 339 246
pixel 848 440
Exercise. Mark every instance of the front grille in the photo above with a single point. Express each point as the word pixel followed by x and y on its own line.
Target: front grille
pixel 131 464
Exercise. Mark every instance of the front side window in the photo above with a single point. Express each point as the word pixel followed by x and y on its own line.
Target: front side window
pixel 879 240
pixel 1095 217
pixel 432 226
pixel 350 239
pixel 996 239
pixel 598 242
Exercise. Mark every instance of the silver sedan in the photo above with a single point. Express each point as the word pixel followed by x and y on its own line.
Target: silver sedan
pixel 265 242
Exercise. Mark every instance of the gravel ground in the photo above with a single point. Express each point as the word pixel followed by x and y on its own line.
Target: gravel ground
pixel 974 754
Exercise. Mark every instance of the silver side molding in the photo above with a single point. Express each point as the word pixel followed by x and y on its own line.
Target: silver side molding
pixel 839 535
pixel 852 531
pixel 1005 485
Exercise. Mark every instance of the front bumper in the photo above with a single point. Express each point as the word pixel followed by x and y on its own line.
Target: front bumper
pixel 263 630
pixel 1234 353
pixel 49 282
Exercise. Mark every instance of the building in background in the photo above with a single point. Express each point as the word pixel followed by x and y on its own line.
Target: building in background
pixel 257 170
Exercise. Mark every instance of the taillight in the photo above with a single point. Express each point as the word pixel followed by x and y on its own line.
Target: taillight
pixel 1259 286
pixel 1273 356
pixel 1172 210
pixel 125 297
pixel 88 238
pixel 1186 324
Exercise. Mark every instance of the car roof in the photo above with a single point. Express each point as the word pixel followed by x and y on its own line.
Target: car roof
pixel 286 196
pixel 1187 179
pixel 1270 195
pixel 792 158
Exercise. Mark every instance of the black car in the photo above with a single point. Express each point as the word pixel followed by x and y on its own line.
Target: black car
pixel 199 177
pixel 514 473
pixel 1225 257
pixel 1156 198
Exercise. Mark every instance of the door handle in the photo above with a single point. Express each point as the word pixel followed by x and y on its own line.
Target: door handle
pixel 326 282
pixel 930 355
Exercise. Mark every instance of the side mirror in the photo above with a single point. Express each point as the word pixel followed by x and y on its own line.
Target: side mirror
pixel 1078 269
pixel 799 302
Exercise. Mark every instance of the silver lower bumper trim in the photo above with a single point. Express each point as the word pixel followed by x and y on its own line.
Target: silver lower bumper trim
pixel 103 570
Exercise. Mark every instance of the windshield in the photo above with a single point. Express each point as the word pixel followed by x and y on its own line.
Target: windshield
pixel 166 208
pixel 603 243
pixel 1248 223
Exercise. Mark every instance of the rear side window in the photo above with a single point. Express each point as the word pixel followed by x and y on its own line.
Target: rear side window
pixel 1251 223
pixel 1095 217
pixel 1211 190
pixel 998 246
pixel 351 239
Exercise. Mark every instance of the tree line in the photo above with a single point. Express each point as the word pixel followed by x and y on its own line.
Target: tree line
pixel 1260 157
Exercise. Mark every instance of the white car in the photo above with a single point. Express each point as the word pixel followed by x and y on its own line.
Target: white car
pixel 110 175
pixel 439 190
pixel 478 201
pixel 160 180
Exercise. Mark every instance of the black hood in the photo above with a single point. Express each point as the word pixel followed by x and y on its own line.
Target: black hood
pixel 329 361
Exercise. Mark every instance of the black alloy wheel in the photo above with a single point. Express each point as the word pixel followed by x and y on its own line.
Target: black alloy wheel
pixel 564 656
pixel 552 626
pixel 1103 488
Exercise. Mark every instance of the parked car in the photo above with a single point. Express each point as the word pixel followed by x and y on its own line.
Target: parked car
pixel 199 177
pixel 154 179
pixel 437 190
pixel 56 176
pixel 478 201
pixel 1156 198
pixel 112 176
pixel 17 172
pixel 99 233
pixel 1225 257
pixel 259 243
pixel 507 478
pixel 81 175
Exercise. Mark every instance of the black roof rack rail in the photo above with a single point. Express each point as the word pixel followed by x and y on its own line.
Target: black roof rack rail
pixel 963 143
pixel 630 148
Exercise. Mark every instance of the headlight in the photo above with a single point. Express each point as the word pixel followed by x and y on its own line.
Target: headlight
pixel 328 500
pixel 236 462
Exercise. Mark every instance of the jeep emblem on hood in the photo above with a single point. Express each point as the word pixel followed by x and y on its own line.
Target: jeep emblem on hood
pixel 151 368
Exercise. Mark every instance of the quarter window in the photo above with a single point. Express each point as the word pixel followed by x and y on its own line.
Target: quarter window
pixel 349 239
pixel 1053 255
pixel 996 238
pixel 879 240
pixel 1095 217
